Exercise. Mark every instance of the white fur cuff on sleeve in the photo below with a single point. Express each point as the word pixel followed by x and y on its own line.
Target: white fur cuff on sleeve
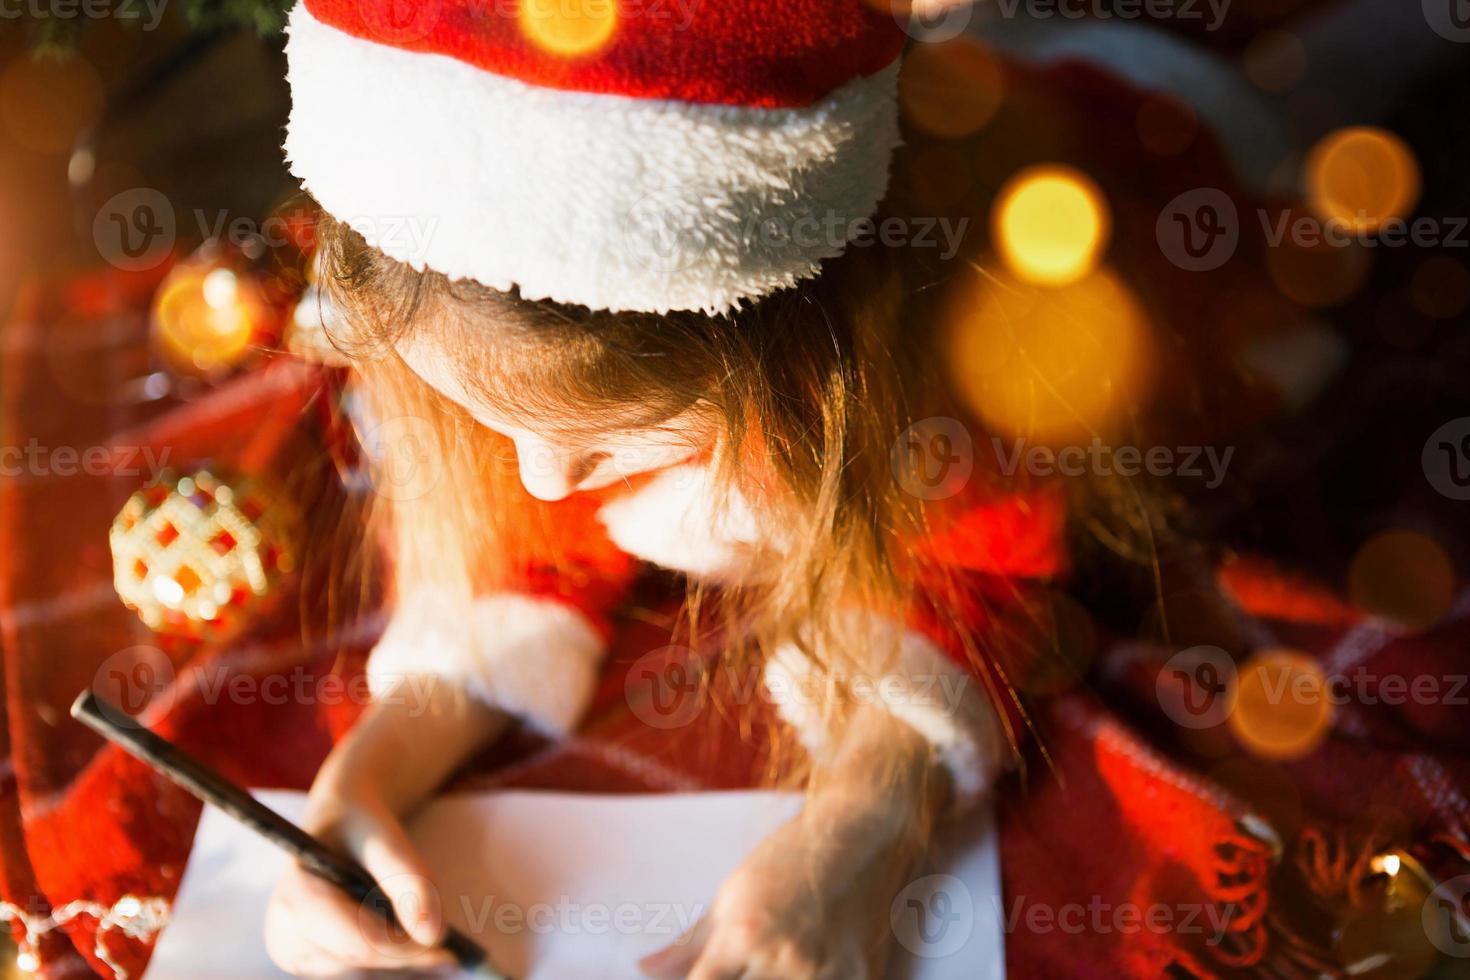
pixel 530 657
pixel 926 690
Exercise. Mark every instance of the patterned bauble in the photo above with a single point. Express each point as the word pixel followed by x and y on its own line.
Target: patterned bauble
pixel 197 556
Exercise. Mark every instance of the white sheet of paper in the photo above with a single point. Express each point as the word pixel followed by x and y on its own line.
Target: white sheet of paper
pixel 571 886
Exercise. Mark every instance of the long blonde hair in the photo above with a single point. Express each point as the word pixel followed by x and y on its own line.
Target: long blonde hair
pixel 810 389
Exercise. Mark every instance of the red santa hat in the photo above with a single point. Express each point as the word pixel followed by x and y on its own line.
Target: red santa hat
pixel 641 155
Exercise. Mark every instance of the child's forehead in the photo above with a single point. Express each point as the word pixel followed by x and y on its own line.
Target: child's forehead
pixel 532 410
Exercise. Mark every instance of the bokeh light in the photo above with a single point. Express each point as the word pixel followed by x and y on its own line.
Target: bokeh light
pixel 206 318
pixel 1404 577
pixel 1050 224
pixel 1283 708
pixel 1048 363
pixel 1362 176
pixel 950 89
pixel 569 28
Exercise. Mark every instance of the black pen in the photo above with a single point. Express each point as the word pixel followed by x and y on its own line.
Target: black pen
pixel 218 791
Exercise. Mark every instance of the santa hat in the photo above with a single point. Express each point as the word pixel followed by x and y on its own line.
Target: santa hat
pixel 642 155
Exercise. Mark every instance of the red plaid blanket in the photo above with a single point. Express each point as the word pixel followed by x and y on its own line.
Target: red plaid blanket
pixel 1132 846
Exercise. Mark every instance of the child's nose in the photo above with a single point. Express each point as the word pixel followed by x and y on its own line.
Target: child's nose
pixel 551 474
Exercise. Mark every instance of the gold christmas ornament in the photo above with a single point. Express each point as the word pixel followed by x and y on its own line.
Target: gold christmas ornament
pixel 196 557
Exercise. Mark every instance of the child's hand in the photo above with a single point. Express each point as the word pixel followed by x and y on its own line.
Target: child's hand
pixel 313 929
pixel 796 909
pixel 812 902
pixel 398 752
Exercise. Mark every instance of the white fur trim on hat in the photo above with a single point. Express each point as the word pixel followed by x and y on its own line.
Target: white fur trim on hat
pixel 531 657
pixel 925 689
pixel 611 202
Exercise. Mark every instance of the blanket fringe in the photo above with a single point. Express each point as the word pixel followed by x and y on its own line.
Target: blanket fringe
pixel 137 918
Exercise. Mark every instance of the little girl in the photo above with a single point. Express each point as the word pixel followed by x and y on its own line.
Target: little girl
pixel 619 287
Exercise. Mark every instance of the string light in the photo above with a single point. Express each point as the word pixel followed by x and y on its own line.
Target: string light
pixel 1050 224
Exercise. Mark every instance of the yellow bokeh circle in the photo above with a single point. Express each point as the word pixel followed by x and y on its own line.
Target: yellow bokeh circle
pixel 207 318
pixel 1049 364
pixel 1050 224
pixel 569 28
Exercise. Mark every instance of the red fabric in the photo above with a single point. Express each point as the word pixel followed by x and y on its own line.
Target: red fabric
pixel 1117 806
pixel 762 53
